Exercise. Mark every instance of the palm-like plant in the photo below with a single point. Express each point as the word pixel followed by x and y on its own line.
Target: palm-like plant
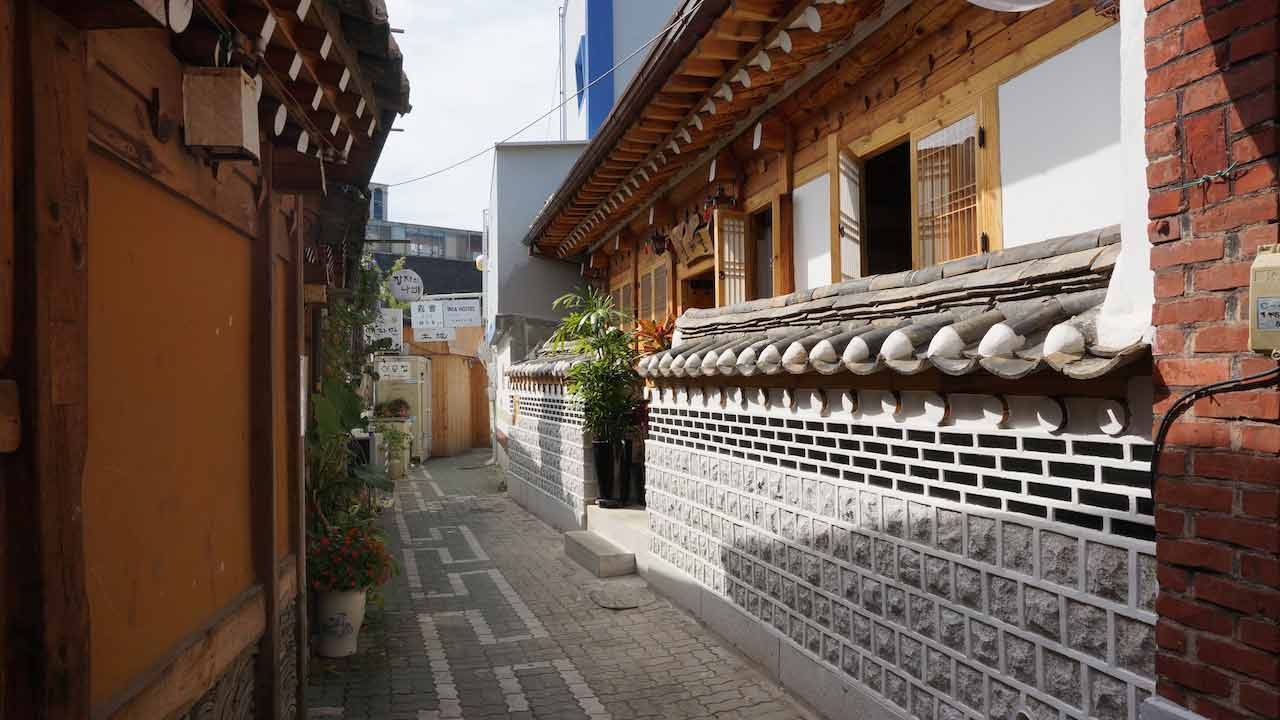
pixel 607 383
pixel 590 315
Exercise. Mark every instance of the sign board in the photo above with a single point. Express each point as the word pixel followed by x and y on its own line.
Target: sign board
pixel 434 334
pixel 395 370
pixel 389 326
pixel 463 313
pixel 406 285
pixel 427 314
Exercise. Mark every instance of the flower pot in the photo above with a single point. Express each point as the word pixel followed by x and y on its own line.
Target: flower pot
pixel 604 457
pixel 341 613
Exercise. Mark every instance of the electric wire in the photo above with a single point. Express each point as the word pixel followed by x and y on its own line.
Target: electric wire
pixel 683 16
pixel 1180 405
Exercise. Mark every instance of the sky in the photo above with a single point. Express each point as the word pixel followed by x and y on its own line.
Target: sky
pixel 478 70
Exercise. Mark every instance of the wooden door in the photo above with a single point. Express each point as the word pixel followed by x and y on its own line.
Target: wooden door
pixel 850 228
pixel 731 270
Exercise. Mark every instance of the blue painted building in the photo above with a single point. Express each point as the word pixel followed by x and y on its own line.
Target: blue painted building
pixel 598 35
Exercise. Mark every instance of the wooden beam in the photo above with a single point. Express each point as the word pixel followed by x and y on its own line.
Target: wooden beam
pixel 296 391
pixel 784 271
pixel 760 10
pixel 738 30
pixel 8 40
pixel 46 601
pixel 701 68
pixel 833 204
pixel 108 14
pixel 262 468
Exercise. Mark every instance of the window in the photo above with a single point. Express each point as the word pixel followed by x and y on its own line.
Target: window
pixel 646 296
pixel 580 69
pixel 946 192
pixel 628 305
pixel 926 198
pixel 660 291
pixel 379 210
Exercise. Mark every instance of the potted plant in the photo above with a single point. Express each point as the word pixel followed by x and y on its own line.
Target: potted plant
pixel 397 408
pixel 395 451
pixel 606 383
pixel 344 564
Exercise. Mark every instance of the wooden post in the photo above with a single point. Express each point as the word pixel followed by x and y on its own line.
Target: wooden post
pixel 263 448
pixel 47 673
pixel 833 200
pixel 784 271
pixel 295 341
pixel 7 40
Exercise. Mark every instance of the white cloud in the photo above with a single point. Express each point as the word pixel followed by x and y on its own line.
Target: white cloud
pixel 478 70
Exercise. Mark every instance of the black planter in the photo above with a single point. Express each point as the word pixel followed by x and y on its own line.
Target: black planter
pixel 605 458
pixel 626 490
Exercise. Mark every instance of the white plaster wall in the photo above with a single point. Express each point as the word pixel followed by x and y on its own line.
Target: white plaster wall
pixel 1060 144
pixel 811 227
pixel 575 23
pixel 1126 314
pixel 524 176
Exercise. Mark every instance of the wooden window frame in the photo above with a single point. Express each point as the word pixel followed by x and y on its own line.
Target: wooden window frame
pixel 985 109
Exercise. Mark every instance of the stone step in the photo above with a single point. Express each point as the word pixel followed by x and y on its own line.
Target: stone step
pixel 601 557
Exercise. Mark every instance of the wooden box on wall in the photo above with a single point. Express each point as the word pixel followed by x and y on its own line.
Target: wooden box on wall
pixel 220 112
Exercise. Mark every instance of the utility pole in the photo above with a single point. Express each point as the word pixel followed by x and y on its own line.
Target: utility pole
pixel 563 67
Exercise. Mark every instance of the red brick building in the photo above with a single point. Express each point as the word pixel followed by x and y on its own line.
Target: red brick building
pixel 1211 111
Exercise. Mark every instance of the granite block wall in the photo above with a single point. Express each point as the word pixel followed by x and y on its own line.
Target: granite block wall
pixel 549 467
pixel 991 557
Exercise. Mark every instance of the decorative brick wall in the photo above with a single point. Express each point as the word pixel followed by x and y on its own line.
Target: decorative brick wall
pixel 966 563
pixel 1211 111
pixel 549 460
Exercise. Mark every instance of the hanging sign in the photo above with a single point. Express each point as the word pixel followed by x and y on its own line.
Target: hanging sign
pixel 434 334
pixel 462 313
pixel 396 370
pixel 427 314
pixel 389 326
pixel 406 285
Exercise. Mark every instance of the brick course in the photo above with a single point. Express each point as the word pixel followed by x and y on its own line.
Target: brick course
pixel 1211 105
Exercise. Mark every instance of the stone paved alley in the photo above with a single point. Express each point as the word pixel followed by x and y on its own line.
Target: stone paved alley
pixel 488 619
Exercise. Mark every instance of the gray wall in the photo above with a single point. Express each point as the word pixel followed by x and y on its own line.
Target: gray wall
pixel 635 22
pixel 524 176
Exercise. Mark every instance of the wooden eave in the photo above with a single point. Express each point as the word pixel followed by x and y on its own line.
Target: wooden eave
pixel 707 93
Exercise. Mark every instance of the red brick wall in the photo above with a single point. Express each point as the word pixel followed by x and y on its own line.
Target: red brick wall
pixel 1211 102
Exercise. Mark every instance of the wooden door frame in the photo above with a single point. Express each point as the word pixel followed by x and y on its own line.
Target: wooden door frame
pixel 47 654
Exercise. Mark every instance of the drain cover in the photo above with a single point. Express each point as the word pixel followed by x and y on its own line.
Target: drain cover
pixel 621 598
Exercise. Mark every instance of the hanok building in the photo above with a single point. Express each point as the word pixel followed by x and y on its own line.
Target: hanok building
pixel 182 184
pixel 901 449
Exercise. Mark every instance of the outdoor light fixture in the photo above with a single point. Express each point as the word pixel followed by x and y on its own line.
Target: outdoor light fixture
pixel 658 243
pixel 721 198
pixel 1010 5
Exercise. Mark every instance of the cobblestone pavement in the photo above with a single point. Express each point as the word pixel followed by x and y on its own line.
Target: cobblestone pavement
pixel 489 619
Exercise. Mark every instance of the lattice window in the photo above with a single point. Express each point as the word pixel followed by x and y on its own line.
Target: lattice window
pixel 660 300
pixel 947 192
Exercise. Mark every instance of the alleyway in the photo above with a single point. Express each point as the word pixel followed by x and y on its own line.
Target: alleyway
pixel 489 619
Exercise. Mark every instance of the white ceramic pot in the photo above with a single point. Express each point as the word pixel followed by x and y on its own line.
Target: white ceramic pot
pixel 340 612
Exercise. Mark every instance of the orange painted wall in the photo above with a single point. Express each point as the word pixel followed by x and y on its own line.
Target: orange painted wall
pixel 166 492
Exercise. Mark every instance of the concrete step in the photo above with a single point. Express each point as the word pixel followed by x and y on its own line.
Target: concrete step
pixel 601 557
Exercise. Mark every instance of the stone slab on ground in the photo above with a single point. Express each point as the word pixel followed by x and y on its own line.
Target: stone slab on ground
pixel 599 556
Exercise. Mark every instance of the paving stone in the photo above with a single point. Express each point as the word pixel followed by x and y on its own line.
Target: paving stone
pixel 494 621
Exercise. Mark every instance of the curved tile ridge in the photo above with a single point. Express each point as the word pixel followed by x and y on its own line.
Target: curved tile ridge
pixel 549 365
pixel 1092 252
